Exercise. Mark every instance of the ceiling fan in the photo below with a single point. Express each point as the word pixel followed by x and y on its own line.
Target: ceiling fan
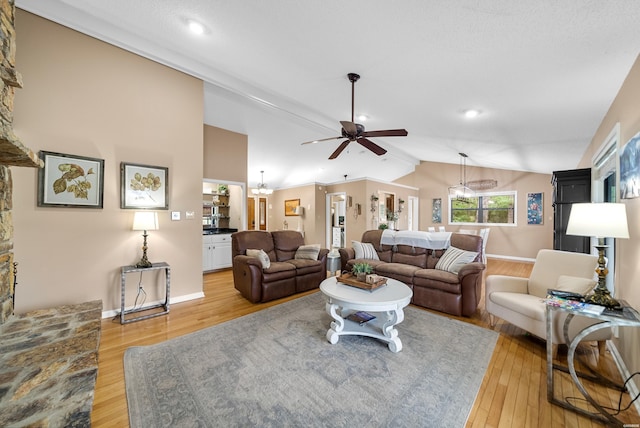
pixel 355 132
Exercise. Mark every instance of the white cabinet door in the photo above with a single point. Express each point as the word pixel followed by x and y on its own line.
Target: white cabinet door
pixel 207 253
pixel 216 252
pixel 221 251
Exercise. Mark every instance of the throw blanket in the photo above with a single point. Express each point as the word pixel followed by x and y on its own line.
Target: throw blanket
pixel 416 238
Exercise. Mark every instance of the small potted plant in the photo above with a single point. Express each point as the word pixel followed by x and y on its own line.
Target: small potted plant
pixel 361 270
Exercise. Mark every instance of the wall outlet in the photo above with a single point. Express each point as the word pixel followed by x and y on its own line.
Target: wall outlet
pixel 175 215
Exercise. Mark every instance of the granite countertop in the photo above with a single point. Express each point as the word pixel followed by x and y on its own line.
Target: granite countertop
pixel 217 230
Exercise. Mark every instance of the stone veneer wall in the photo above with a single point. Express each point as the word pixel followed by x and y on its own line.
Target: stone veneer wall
pixel 12 153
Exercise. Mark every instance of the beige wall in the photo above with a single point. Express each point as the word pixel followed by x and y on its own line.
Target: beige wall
pixel 85 97
pixel 225 155
pixel 313 220
pixel 625 110
pixel 521 241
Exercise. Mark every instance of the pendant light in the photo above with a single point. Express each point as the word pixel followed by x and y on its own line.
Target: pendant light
pixel 262 188
pixel 461 191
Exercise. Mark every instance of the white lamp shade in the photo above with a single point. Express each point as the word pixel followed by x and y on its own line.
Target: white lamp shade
pixel 600 220
pixel 298 210
pixel 145 220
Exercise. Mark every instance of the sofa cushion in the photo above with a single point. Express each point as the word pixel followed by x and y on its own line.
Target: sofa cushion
pixel 575 284
pixel 395 270
pixel 260 255
pixel 410 255
pixel 278 271
pixel 307 252
pixel 306 266
pixel 525 304
pixel 435 275
pixel 454 258
pixel 286 243
pixel 364 250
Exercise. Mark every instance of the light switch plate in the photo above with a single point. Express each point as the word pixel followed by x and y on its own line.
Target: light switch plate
pixel 175 215
pixel 190 215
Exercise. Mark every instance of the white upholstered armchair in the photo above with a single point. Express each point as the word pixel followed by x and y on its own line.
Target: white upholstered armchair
pixel 520 301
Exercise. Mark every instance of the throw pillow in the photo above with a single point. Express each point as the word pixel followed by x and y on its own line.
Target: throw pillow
pixel 454 258
pixel 307 252
pixel 364 250
pixel 262 256
pixel 575 284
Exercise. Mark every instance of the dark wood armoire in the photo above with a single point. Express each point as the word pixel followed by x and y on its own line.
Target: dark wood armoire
pixel 568 187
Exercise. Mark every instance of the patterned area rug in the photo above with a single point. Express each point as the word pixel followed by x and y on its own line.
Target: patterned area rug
pixel 275 368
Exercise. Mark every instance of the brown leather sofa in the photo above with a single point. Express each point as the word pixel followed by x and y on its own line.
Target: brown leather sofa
pixel 456 294
pixel 285 276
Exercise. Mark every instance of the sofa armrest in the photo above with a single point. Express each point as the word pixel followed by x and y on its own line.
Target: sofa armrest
pixel 346 254
pixel 247 277
pixel 470 268
pixel 511 284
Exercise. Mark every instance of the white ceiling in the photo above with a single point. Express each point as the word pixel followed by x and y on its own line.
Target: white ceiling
pixel 543 73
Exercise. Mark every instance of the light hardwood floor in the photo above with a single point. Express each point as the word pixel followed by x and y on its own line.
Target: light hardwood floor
pixel 513 392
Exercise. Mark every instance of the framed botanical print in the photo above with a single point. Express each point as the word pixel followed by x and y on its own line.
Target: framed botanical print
pixel 144 187
pixel 70 181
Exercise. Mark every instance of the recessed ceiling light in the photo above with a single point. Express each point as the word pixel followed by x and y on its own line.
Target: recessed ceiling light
pixel 471 113
pixel 363 117
pixel 196 27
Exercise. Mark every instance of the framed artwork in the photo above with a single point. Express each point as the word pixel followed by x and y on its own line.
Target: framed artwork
pixel 534 208
pixel 144 187
pixel 630 169
pixel 70 181
pixel 436 214
pixel 290 206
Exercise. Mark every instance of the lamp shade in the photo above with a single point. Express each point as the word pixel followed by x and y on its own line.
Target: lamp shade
pixel 600 220
pixel 145 220
pixel 298 210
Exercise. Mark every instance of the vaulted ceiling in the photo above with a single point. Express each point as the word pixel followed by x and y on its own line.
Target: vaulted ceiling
pixel 542 74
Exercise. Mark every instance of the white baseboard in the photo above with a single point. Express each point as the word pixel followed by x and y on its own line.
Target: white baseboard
pixel 519 259
pixel 179 299
pixel 624 372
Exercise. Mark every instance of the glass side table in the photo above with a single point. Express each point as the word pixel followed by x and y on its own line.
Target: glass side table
pixel 628 317
pixel 165 305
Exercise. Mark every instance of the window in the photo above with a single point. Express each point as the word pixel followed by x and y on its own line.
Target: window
pixel 484 208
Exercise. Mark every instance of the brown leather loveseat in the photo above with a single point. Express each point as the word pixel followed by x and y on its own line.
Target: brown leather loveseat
pixel 440 289
pixel 284 268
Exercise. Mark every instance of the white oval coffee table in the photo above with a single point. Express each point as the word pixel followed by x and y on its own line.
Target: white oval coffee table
pixel 387 303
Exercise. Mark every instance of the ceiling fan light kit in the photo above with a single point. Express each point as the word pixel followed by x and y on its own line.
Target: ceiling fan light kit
pixel 356 132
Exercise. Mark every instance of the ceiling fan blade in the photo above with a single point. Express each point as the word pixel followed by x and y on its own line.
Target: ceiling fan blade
pixel 324 139
pixel 339 150
pixel 386 133
pixel 349 127
pixel 371 146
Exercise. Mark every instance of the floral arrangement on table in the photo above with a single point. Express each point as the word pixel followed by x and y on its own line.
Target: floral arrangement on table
pixel 361 270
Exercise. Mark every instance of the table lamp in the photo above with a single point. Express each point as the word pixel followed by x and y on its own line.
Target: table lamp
pixel 600 220
pixel 145 220
pixel 299 211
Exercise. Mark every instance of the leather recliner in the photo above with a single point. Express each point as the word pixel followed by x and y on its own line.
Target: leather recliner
pixel 285 276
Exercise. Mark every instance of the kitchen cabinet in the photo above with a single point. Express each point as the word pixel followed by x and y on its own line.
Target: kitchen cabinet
pixel 216 252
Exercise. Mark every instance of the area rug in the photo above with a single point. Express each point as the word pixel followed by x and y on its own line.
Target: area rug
pixel 275 368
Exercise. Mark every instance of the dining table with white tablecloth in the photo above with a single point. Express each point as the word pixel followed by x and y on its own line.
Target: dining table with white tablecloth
pixel 416 238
